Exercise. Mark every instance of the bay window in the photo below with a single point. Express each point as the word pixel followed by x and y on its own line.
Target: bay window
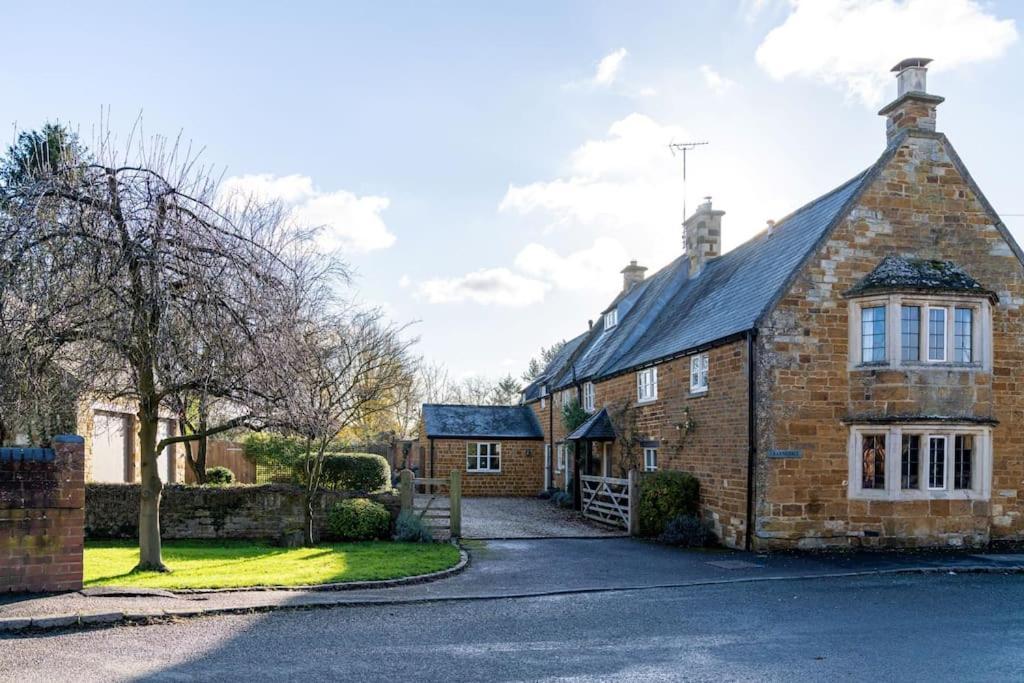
pixel 920 461
pixel 901 330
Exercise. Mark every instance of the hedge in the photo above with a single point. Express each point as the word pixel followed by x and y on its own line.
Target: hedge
pixel 665 495
pixel 366 472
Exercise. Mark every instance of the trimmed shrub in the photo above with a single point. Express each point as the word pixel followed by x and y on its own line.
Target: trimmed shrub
pixel 219 476
pixel 665 495
pixel 410 528
pixel 358 519
pixel 687 531
pixel 363 472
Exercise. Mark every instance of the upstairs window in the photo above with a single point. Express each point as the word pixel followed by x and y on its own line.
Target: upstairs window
pixel 699 373
pixel 963 335
pixel 872 334
pixel 919 330
pixel 611 319
pixel 566 398
pixel 588 397
pixel 647 385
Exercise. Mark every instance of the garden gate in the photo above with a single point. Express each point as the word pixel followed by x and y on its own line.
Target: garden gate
pixel 610 500
pixel 436 500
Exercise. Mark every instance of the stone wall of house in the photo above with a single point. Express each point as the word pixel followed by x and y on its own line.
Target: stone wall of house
pixel 522 467
pixel 919 206
pixel 551 423
pixel 715 450
pixel 41 496
pixel 271 512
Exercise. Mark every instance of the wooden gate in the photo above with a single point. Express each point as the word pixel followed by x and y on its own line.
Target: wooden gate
pixel 437 501
pixel 610 500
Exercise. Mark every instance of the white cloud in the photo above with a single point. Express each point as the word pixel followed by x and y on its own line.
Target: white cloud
pixel 852 44
pixel 404 281
pixel 715 81
pixel 596 267
pixel 347 221
pixel 625 183
pixel 609 66
pixel 499 286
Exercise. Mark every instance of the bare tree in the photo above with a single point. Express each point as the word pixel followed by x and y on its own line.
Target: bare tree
pixel 348 365
pixel 154 289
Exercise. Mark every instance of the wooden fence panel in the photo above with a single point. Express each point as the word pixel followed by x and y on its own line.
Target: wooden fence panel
pixel 226 454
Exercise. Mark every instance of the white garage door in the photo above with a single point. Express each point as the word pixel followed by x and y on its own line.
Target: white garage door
pixel 109 447
pixel 165 461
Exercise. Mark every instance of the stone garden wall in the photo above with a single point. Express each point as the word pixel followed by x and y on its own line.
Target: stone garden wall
pixel 272 512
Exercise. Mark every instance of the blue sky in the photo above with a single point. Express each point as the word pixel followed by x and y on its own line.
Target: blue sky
pixel 488 169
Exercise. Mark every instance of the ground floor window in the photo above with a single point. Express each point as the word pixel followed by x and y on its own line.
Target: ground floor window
pixel 483 457
pixel 650 459
pixel 925 461
pixel 561 458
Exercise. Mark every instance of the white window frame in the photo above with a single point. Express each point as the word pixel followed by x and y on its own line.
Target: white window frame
pixel 611 319
pixel 588 397
pixel 650 459
pixel 543 403
pixel 647 385
pixel 945 335
pixel 699 373
pixel 560 463
pixel 981 465
pixel 566 398
pixel 981 331
pixel 493 450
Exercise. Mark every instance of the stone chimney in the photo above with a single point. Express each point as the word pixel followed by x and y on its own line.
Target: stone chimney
pixel 913 108
pixel 702 233
pixel 632 275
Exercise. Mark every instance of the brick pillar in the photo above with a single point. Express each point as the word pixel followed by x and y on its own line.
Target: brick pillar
pixel 42 499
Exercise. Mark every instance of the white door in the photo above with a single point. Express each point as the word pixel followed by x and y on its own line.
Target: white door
pixel 547 466
pixel 165 460
pixel 109 447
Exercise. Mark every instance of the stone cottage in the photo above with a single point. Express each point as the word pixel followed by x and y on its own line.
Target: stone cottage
pixel 850 376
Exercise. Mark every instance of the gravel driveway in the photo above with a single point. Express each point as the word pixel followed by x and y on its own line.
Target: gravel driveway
pixel 525 518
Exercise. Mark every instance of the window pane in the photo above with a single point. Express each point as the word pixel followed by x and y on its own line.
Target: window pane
pixel 872 326
pixel 911 461
pixel 495 463
pixel 962 335
pixel 963 452
pixel 873 462
pixel 937 462
pixel 910 325
pixel 936 334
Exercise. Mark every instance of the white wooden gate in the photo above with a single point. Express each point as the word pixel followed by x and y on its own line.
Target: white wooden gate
pixel 609 500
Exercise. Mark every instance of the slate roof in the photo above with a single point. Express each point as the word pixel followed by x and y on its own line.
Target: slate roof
pixel 896 273
pixel 598 426
pixel 670 313
pixel 495 422
pixel 534 390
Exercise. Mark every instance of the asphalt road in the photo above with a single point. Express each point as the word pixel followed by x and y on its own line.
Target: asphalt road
pixel 913 627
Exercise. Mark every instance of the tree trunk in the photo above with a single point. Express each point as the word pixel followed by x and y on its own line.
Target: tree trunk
pixel 150 557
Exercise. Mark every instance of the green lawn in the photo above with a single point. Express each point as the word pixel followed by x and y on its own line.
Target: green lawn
pixel 233 564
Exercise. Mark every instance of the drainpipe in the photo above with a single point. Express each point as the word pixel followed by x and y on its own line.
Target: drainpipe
pixel 751 436
pixel 431 459
pixel 552 458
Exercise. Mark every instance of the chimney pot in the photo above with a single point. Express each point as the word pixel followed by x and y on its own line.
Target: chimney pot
pixel 632 275
pixel 913 108
pixel 702 234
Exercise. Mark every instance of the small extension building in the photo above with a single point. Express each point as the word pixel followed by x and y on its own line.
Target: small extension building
pixel 850 376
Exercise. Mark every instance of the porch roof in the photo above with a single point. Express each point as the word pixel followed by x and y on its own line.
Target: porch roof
pixel 598 428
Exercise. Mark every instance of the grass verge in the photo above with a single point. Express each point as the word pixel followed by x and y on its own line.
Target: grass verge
pixel 237 564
